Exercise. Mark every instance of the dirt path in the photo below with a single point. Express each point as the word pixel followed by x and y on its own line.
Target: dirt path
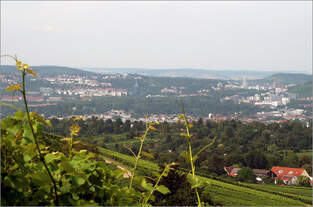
pixel 127 174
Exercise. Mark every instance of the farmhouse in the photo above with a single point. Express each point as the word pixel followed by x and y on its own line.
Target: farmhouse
pixel 232 171
pixel 288 175
pixel 259 173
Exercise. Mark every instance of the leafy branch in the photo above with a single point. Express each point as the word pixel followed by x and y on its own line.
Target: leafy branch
pixel 194 180
pixel 162 189
pixel 25 69
pixel 149 126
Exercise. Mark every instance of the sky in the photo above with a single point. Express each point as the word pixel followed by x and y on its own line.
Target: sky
pixel 225 35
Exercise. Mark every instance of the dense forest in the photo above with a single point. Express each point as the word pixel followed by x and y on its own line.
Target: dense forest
pixel 255 145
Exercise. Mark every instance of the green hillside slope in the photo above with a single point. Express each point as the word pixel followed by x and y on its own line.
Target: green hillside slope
pixel 289 78
pixel 230 194
pixel 303 90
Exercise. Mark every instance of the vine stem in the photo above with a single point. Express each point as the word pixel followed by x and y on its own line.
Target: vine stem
pixel 142 140
pixel 42 159
pixel 155 186
pixel 191 158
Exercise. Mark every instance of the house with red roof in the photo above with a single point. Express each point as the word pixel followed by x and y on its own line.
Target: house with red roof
pixel 232 171
pixel 259 173
pixel 289 175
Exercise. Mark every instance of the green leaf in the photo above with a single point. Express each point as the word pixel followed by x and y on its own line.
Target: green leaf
pixel 195 182
pixel 8 182
pixel 78 180
pixel 13 130
pixel 156 174
pixel 118 173
pixel 146 154
pixel 38 127
pixel 146 186
pixel 30 149
pixel 66 165
pixel 65 189
pixel 47 122
pixel 27 132
pixel 41 178
pixel 86 203
pixel 36 116
pixel 162 189
pixel 53 156
pixel 83 155
pixel 21 183
pixel 27 157
pixel 20 115
pixel 186 156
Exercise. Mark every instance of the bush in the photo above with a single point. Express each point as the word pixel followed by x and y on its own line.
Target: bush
pixel 246 175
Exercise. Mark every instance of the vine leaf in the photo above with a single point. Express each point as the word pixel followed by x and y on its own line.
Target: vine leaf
pixel 146 154
pixel 13 87
pixel 20 115
pixel 30 71
pixel 152 127
pixel 146 186
pixel 162 189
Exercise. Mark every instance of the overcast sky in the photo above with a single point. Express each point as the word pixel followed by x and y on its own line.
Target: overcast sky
pixel 260 35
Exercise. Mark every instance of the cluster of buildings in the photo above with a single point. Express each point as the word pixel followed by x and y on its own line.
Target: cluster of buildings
pixel 90 92
pixel 287 175
pixel 71 79
pixel 265 99
pixel 172 90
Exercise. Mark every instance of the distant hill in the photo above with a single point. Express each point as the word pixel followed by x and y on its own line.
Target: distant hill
pixel 187 72
pixel 302 90
pixel 289 78
pixel 48 70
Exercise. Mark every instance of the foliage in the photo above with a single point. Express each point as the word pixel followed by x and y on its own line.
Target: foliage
pixel 32 173
pixel 303 181
pixel 246 174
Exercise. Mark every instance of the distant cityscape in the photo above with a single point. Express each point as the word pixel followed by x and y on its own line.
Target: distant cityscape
pixel 271 99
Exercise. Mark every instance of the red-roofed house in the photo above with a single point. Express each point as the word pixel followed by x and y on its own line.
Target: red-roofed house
pixel 259 173
pixel 232 171
pixel 289 175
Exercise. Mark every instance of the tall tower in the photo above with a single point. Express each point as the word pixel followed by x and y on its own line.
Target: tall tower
pixel 244 82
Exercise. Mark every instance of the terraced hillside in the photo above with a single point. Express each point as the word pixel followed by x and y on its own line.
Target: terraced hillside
pixel 239 194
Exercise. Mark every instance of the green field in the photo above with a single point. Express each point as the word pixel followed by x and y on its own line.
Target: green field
pixel 121 139
pixel 242 194
pixel 298 193
pixel 114 136
pixel 128 160
pixel 234 195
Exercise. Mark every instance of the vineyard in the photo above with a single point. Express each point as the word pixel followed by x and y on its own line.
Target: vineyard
pixel 143 165
pixel 242 194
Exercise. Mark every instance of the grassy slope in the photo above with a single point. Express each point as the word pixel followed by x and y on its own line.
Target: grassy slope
pixel 231 194
pixel 121 137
